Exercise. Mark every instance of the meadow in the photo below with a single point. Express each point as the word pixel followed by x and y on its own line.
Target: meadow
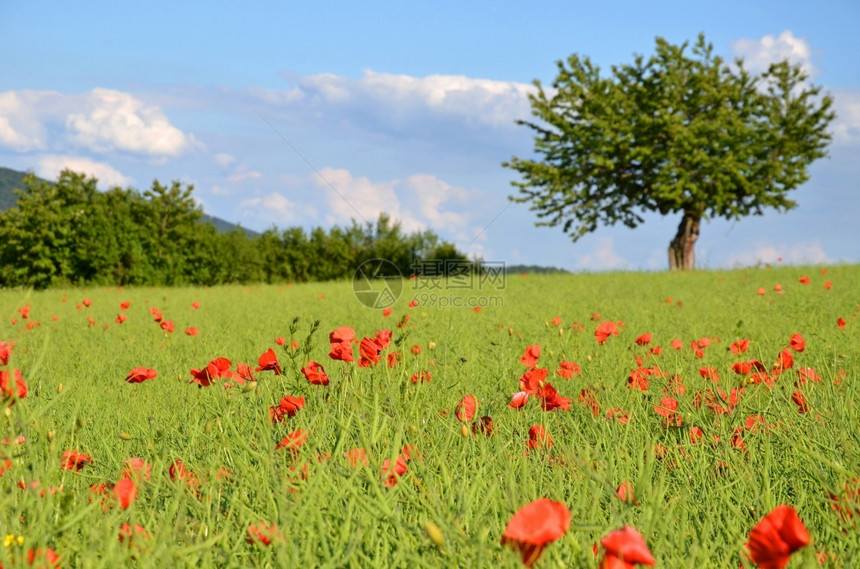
pixel 387 465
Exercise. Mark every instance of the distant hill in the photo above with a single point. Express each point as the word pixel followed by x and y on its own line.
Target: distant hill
pixel 13 179
pixel 514 269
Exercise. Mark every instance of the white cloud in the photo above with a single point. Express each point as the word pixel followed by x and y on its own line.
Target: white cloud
pixel 242 174
pixel 102 120
pixel 407 105
pixel 275 208
pixel 766 253
pixel 419 202
pixel 759 54
pixel 846 127
pixel 603 257
pixel 224 160
pixel 49 167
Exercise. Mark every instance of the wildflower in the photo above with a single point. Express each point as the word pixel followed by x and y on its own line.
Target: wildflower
pixel 74 460
pixel 530 357
pixel 141 374
pixel 568 369
pixel 263 533
pixel 624 549
pixel 192 331
pixel 797 343
pixel 466 408
pixel 604 330
pixel 534 526
pixel 740 346
pixel 294 440
pixel 269 362
pixel 643 340
pixel 125 492
pixel 391 472
pixel 315 373
pixel 288 406
pixel 539 438
pixel 776 537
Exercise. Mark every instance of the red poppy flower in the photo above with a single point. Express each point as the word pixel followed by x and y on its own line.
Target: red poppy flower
pixel 244 373
pixel 369 350
pixel 341 335
pixel 137 468
pixel 74 460
pixel 125 492
pixel 294 440
pixel 387 312
pixel 783 361
pixel 288 406
pixel 391 473
pixel 120 318
pixel 315 373
pixel 539 437
pixel 800 401
pixel 195 305
pixel 263 533
pixel 530 357
pixel 518 400
pixel 191 331
pixel 483 425
pixel 421 377
pixel 776 537
pixel 710 373
pixel 804 280
pixel 840 323
pixel 805 374
pixel 624 549
pixel 167 326
pixel 219 368
pixel 638 379
pixel 604 330
pixel 828 285
pixel 551 399
pixel 531 380
pixel 534 526
pixel 341 351
pixel 12 386
pixel 269 362
pixel 797 343
pixel 413 303
pixel 624 491
pixel 668 408
pixel 5 352
pixel 356 457
pixel 466 408
pixel 696 434
pixel 643 340
pixel 740 346
pixel 416 349
pixel 394 358
pixel 568 369
pixel 383 338
pixel 129 533
pixel 141 374
pixel 47 558
pixel 676 344
pixel 124 305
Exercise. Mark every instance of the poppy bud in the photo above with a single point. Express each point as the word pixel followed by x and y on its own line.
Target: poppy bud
pixel 434 533
pixel 50 436
pixel 588 357
pixel 464 431
pixel 250 386
pixel 125 436
pixel 431 346
pixel 60 388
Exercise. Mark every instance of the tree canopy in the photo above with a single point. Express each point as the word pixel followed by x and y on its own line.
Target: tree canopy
pixel 70 233
pixel 677 133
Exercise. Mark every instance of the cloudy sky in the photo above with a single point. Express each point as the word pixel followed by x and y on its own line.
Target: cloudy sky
pixel 316 113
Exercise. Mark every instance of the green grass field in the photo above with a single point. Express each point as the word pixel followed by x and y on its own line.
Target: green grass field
pixel 695 502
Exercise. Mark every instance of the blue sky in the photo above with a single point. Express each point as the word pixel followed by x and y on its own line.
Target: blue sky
pixel 406 108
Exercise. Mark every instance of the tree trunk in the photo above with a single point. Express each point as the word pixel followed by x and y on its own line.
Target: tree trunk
pixel 681 249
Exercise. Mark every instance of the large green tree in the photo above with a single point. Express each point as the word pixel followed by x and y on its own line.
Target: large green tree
pixel 679 133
